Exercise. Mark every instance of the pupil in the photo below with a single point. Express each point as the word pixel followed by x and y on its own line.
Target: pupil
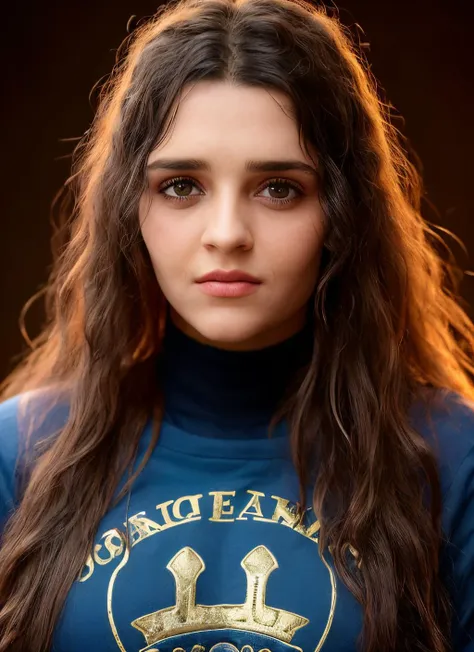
pixel 179 185
pixel 280 188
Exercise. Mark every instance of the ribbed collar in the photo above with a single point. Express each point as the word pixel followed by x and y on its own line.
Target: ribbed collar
pixel 224 394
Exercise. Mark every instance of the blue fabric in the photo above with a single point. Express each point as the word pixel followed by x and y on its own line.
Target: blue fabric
pixel 216 562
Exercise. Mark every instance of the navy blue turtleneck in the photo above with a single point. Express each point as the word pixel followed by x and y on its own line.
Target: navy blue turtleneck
pixel 228 394
pixel 217 562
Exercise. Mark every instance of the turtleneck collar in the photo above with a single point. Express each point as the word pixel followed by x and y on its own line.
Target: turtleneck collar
pixel 227 394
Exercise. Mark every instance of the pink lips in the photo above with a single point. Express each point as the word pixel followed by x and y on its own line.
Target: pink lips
pixel 234 283
pixel 232 276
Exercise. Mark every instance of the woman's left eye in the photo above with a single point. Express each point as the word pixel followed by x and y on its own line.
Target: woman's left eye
pixel 281 188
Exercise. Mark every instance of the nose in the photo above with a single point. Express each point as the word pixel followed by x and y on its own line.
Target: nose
pixel 227 225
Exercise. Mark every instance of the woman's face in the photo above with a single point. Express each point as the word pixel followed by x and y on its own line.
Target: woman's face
pixel 219 198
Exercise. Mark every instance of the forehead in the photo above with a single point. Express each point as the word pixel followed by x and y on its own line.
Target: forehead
pixel 220 119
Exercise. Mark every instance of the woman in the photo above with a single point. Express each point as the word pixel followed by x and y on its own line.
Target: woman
pixel 248 423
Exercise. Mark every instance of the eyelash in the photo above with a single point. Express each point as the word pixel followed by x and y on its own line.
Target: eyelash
pixel 276 181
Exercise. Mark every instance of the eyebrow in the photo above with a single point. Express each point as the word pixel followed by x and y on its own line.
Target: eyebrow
pixel 250 166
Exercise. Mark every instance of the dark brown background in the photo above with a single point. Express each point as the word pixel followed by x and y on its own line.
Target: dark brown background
pixel 53 53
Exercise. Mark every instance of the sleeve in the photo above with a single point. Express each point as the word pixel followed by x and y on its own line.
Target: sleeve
pixel 8 457
pixel 457 564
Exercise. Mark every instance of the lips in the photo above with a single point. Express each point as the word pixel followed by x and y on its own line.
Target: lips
pixel 232 276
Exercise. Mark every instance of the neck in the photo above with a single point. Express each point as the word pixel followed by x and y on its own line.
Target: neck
pixel 225 393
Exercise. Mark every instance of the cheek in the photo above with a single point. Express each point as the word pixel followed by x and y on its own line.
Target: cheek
pixel 166 242
pixel 297 255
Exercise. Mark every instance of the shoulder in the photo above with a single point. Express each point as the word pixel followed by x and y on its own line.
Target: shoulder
pixel 9 428
pixel 9 446
pixel 25 419
pixel 450 419
pixel 446 420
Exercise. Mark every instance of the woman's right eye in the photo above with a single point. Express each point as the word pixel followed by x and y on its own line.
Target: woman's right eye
pixel 181 188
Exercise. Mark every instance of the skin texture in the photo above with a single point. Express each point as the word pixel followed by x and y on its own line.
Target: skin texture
pixel 232 218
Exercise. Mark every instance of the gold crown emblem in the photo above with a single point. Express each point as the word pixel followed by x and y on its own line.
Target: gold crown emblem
pixel 253 615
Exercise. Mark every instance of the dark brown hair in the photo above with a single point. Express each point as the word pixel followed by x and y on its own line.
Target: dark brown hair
pixel 387 321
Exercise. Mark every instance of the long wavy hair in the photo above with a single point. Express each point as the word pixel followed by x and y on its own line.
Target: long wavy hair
pixel 387 318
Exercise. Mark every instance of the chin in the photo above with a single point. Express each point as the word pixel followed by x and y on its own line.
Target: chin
pixel 229 333
pixel 231 337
